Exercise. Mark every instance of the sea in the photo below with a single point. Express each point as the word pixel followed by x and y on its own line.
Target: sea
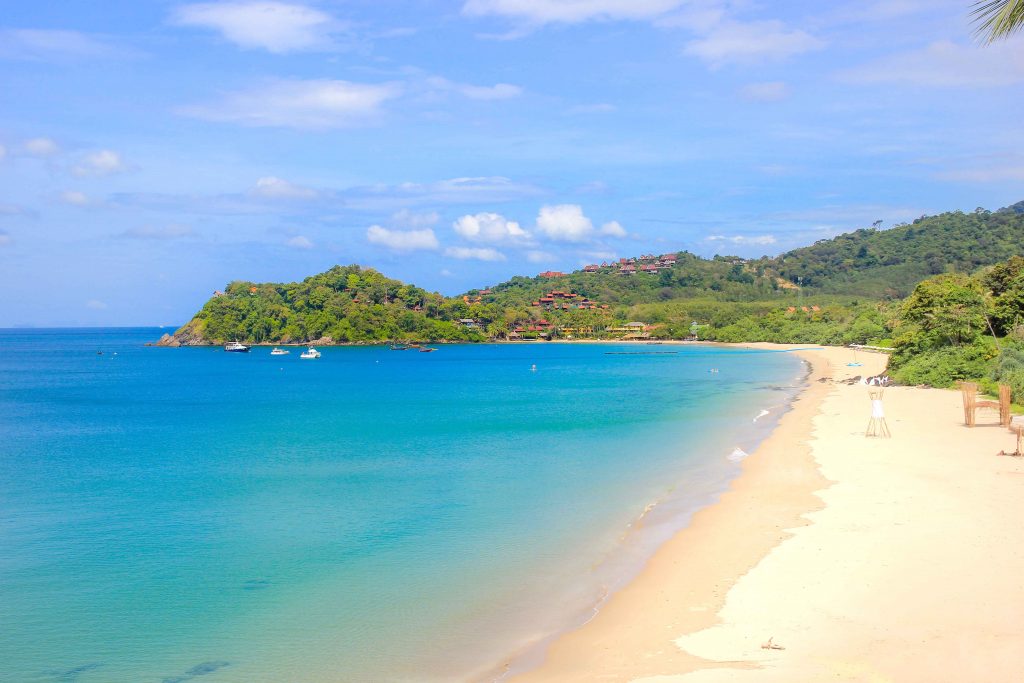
pixel 172 515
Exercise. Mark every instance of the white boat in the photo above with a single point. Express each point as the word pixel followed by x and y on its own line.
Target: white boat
pixel 310 353
pixel 279 352
pixel 236 347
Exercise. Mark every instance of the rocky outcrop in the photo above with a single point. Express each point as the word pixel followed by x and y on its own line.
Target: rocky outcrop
pixel 168 340
pixel 189 335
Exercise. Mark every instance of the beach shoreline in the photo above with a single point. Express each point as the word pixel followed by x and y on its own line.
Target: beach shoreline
pixel 784 558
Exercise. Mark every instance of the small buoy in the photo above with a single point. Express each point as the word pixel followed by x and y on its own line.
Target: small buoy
pixel 533 368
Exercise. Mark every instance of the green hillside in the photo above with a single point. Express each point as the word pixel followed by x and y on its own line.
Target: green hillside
pixel 835 291
pixel 888 263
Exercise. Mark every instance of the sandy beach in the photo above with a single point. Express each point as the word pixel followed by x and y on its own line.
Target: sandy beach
pixel 862 559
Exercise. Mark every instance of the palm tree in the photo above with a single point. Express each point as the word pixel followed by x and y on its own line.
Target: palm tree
pixel 998 19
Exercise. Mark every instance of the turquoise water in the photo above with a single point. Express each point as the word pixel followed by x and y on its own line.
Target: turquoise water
pixel 172 515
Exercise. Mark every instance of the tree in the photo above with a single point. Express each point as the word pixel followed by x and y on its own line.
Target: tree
pixel 998 19
pixel 948 310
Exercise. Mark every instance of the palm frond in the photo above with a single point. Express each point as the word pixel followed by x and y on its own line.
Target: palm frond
pixel 997 19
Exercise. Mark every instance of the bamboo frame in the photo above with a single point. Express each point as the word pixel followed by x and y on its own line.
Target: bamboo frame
pixel 969 393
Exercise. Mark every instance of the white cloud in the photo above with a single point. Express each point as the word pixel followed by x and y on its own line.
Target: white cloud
pixel 992 174
pixel 5 238
pixel 540 256
pixel 103 162
pixel 594 187
pixel 411 219
pixel 3 152
pixel 477 253
pixel 446 273
pixel 569 11
pixel 277 27
pixel 750 43
pixel 742 239
pixel 489 227
pixel 613 229
pixel 499 91
pixel 564 223
pixel 96 305
pixel 41 147
pixel 769 91
pixel 599 108
pixel 402 240
pixel 151 232
pixel 316 104
pixel 300 242
pixel 39 45
pixel 479 190
pixel 271 187
pixel 945 64
pixel 74 198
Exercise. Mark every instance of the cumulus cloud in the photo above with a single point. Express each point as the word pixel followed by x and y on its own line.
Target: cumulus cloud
pixel 769 91
pixel 96 305
pixel 732 42
pixel 300 242
pixel 742 239
pixel 613 229
pixel 103 162
pixel 569 11
pixel 402 240
pixel 945 64
pixel 489 227
pixel 152 232
pixel 40 147
pixel 564 223
pixel 5 238
pixel 313 104
pixel 74 198
pixel 277 27
pixel 477 253
pixel 271 187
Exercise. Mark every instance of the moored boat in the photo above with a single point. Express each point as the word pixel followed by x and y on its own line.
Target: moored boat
pixel 310 353
pixel 236 347
pixel 279 352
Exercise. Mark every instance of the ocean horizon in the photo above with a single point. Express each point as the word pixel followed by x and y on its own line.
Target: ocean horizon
pixel 172 515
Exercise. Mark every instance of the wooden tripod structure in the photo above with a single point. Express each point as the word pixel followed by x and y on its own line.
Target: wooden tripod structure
pixel 877 426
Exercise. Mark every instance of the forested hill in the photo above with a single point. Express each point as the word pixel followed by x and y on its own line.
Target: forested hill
pixel 354 304
pixel 873 263
pixel 888 263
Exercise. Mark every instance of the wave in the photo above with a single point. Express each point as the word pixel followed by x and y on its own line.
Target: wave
pixel 737 455
pixel 761 414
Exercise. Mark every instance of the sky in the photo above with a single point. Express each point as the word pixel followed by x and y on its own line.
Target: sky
pixel 153 151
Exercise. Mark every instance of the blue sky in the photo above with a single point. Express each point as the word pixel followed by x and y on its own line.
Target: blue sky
pixel 150 152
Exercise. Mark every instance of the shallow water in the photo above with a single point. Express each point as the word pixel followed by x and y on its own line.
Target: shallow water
pixel 172 515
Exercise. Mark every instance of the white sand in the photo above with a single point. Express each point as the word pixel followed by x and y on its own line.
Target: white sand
pixel 913 569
